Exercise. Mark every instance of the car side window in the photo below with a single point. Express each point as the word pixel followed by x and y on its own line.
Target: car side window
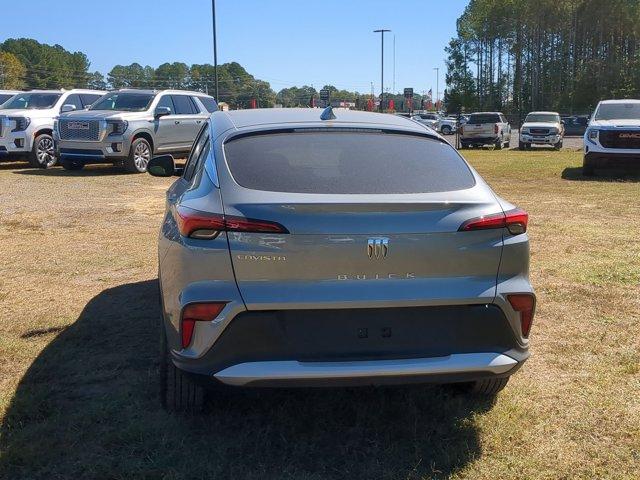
pixel 194 105
pixel 74 99
pixel 201 139
pixel 167 101
pixel 88 99
pixel 184 105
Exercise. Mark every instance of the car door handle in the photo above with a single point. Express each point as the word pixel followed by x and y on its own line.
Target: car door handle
pixel 198 121
pixel 177 122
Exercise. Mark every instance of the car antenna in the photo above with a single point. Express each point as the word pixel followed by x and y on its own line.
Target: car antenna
pixel 327 114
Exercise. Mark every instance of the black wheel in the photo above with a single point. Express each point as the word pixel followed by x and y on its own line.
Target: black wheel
pixel 43 153
pixel 498 144
pixel 178 392
pixel 463 146
pixel 446 130
pixel 558 145
pixel 72 165
pixel 522 146
pixel 508 144
pixel 139 156
pixel 488 387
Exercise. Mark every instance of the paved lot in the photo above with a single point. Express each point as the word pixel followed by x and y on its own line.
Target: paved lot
pixel 570 143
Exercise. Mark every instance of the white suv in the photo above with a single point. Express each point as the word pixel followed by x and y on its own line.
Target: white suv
pixel 26 122
pixel 612 138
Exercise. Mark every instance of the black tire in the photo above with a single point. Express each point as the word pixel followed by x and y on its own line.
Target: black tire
pixel 43 154
pixel 522 146
pixel 72 165
pixel 446 130
pixel 488 387
pixel 558 145
pixel 508 144
pixel 463 146
pixel 139 155
pixel 498 144
pixel 178 392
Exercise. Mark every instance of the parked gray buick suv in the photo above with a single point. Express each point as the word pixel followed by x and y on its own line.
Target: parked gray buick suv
pixel 125 127
pixel 309 248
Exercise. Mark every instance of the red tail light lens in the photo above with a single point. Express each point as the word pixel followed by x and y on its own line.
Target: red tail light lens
pixel 207 226
pixel 496 129
pixel 525 304
pixel 197 312
pixel 515 221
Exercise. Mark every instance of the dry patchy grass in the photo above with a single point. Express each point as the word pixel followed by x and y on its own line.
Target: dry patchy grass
pixel 78 346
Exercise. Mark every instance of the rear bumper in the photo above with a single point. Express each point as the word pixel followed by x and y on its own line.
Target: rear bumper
pixel 361 347
pixel 479 140
pixel 456 367
pixel 612 160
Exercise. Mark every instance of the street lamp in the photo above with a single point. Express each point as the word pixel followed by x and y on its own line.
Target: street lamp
pixel 437 86
pixel 382 31
pixel 215 48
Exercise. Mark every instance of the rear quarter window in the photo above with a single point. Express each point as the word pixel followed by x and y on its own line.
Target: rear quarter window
pixel 346 163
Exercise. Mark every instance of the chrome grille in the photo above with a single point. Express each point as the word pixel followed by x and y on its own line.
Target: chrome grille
pixel 539 131
pixel 82 130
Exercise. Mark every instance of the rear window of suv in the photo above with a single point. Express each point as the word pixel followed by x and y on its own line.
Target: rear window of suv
pixel 484 118
pixel 346 163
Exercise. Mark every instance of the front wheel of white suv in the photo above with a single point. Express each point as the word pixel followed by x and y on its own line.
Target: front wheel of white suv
pixel 43 153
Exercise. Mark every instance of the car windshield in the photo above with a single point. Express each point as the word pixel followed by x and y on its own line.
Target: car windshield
pixel 618 111
pixel 124 102
pixel 346 163
pixel 4 97
pixel 542 118
pixel 33 101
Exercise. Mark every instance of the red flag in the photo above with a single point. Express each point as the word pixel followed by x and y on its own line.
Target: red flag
pixel 253 103
pixel 370 105
pixel 392 105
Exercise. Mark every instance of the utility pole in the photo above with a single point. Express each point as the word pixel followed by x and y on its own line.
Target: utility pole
pixel 382 31
pixel 394 65
pixel 215 49
pixel 437 86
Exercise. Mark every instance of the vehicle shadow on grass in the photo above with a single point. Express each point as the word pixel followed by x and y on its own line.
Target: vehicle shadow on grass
pixel 13 165
pixel 88 407
pixel 575 173
pixel 89 171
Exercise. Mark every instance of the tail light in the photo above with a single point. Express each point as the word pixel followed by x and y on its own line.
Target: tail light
pixel 525 305
pixel 207 226
pixel 514 220
pixel 496 128
pixel 197 312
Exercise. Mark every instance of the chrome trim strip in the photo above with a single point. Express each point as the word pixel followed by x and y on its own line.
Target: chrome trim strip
pixel 245 373
pixel 89 155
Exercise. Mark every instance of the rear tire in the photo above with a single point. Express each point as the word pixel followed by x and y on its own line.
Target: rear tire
pixel 43 154
pixel 72 165
pixel 178 392
pixel 446 130
pixel 498 144
pixel 558 145
pixel 139 155
pixel 488 387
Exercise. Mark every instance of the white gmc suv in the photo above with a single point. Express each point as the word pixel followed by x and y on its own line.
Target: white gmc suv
pixel 612 138
pixel 26 122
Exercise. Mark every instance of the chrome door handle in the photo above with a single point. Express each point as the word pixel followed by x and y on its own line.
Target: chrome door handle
pixel 198 121
pixel 177 122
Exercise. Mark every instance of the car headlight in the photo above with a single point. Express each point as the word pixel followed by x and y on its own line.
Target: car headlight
pixel 592 135
pixel 21 123
pixel 55 126
pixel 118 127
pixel 553 131
pixel 525 131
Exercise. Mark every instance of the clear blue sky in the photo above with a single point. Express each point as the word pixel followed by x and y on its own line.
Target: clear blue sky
pixel 285 42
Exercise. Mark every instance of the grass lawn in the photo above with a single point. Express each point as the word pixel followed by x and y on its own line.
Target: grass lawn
pixel 78 344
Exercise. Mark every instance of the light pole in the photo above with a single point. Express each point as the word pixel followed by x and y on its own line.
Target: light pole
pixel 437 86
pixel 382 31
pixel 215 49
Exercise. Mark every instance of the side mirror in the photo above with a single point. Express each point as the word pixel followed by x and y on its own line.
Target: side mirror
pixel 562 122
pixel 163 166
pixel 162 112
pixel 67 107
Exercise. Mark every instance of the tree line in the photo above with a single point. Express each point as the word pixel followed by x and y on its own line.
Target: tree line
pixel 28 64
pixel 565 56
